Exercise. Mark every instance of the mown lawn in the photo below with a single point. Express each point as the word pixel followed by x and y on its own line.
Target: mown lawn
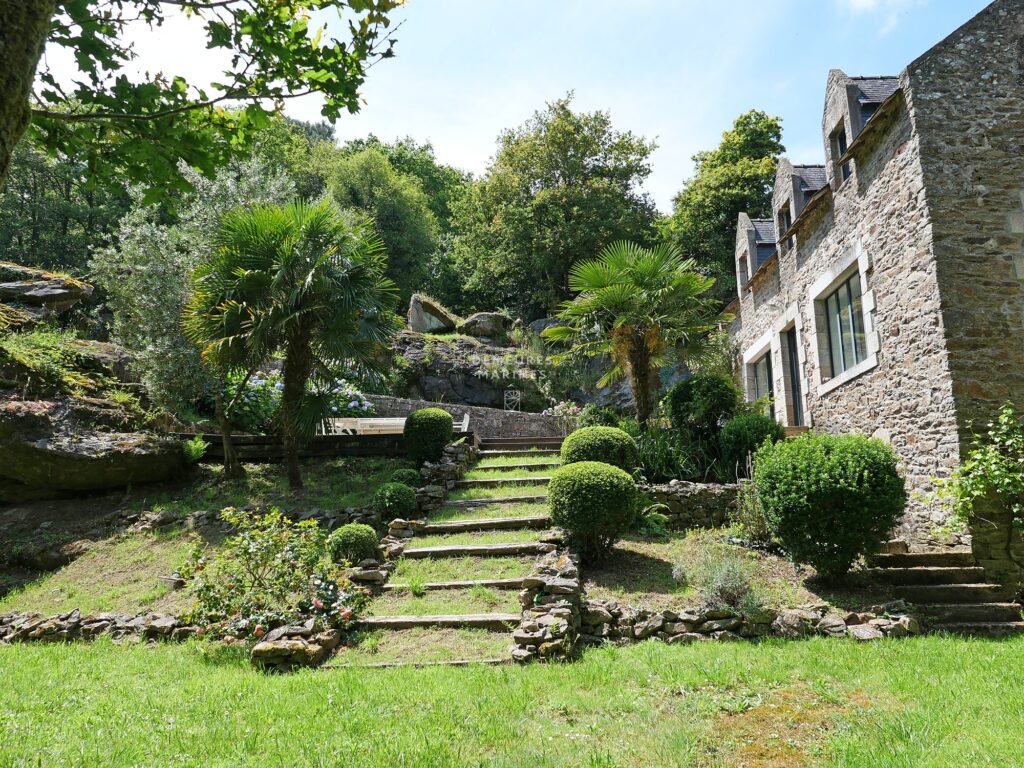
pixel 925 702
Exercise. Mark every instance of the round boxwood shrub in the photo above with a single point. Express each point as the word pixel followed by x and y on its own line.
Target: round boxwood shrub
pixel 406 476
pixel 702 404
pixel 427 432
pixel 394 500
pixel 352 543
pixel 606 444
pixel 595 416
pixel 829 498
pixel 595 503
pixel 744 434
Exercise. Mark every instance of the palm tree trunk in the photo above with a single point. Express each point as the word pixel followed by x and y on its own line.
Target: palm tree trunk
pixel 233 468
pixel 640 375
pixel 298 361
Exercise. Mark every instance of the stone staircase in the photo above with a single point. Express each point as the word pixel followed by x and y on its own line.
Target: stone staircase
pixel 486 521
pixel 949 590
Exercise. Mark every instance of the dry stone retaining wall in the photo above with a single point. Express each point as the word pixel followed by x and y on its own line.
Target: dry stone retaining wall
pixel 694 505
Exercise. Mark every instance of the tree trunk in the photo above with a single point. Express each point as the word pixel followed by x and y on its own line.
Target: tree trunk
pixel 640 375
pixel 298 362
pixel 233 468
pixel 24 25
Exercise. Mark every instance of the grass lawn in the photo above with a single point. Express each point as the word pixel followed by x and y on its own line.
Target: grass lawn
pixel 446 601
pixel 489 512
pixel 461 569
pixel 534 457
pixel 506 491
pixel 473 537
pixel 919 703
pixel 497 473
pixel 423 646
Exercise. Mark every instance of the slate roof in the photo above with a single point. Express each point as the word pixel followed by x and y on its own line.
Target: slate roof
pixel 764 231
pixel 812 177
pixel 874 90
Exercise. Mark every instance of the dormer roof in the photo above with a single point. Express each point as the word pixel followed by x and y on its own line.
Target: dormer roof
pixel 764 231
pixel 812 177
pixel 875 90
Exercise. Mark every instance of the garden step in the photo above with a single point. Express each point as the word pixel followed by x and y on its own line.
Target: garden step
pixel 443 663
pixel 481 550
pixel 464 503
pixel 515 583
pixel 982 629
pixel 970 612
pixel 513 452
pixel 523 467
pixel 929 575
pixel 953 593
pixel 487 442
pixel 495 621
pixel 487 524
pixel 491 482
pixel 924 560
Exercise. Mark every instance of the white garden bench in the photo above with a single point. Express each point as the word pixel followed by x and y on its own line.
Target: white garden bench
pixel 373 426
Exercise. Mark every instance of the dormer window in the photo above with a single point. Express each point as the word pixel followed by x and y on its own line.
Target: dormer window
pixel 784 221
pixel 839 147
pixel 866 111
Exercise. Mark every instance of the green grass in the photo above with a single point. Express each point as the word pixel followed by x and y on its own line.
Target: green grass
pixel 927 703
pixel 489 473
pixel 498 492
pixel 445 601
pixel 461 569
pixel 535 457
pixel 491 511
pixel 119 574
pixel 473 537
pixel 423 645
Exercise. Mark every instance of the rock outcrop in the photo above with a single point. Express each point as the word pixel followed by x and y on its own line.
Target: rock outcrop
pixel 427 316
pixel 29 295
pixel 485 325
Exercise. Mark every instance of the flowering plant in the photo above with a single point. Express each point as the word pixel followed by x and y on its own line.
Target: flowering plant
pixel 563 410
pixel 345 400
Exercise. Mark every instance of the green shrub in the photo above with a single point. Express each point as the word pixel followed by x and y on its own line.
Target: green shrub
pixel 194 449
pixel 702 404
pixel 744 434
pixel 829 499
pixel 427 432
pixel 393 500
pixel 722 577
pixel 595 503
pixel 605 444
pixel 352 543
pixel 406 476
pixel 749 515
pixel 595 416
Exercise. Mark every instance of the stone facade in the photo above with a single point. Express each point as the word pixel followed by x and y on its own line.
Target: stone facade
pixel 919 208
pixel 483 422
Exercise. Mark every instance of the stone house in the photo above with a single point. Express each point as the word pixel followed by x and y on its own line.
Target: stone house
pixel 886 295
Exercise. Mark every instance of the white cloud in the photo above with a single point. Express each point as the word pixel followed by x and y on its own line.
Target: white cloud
pixel 887 12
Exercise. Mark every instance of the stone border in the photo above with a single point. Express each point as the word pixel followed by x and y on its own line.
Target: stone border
pixel 694 505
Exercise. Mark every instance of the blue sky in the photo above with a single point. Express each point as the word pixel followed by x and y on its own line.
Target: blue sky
pixel 677 71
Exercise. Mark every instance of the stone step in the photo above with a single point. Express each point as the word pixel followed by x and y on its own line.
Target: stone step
pixel 486 442
pixel 514 452
pixel 431 586
pixel 487 524
pixel 982 629
pixel 491 482
pixel 953 593
pixel 969 612
pixel 522 467
pixel 955 559
pixel 444 663
pixel 466 503
pixel 492 621
pixel 481 550
pixel 929 575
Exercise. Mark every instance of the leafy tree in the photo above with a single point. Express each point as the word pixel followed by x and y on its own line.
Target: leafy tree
pixel 145 273
pixel 50 215
pixel 736 177
pixel 400 211
pixel 142 127
pixel 304 151
pixel 638 306
pixel 563 185
pixel 304 280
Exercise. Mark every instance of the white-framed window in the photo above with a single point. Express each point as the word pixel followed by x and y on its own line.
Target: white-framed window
pixel 842 307
pixel 759 369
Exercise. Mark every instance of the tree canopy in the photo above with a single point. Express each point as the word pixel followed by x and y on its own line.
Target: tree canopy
pixel 735 177
pixel 142 126
pixel 561 187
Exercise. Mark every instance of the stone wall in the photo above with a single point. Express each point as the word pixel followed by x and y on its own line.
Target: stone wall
pixel 483 422
pixel 694 505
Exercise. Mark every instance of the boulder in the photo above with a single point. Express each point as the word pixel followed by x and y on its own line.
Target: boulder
pixel 28 295
pixel 427 316
pixel 483 324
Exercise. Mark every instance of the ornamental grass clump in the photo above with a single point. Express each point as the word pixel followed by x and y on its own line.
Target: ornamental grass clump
pixel 427 432
pixel 829 499
pixel 595 503
pixel 352 543
pixel 394 500
pixel 604 444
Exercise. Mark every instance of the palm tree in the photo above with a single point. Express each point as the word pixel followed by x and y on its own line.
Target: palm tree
pixel 304 280
pixel 638 306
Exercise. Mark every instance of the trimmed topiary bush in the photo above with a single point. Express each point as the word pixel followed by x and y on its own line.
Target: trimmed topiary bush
pixel 605 444
pixel 595 503
pixel 702 404
pixel 394 500
pixel 405 476
pixel 829 499
pixel 427 432
pixel 744 434
pixel 352 543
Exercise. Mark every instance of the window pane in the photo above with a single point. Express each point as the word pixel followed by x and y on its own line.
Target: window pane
pixel 835 342
pixel 849 355
pixel 860 341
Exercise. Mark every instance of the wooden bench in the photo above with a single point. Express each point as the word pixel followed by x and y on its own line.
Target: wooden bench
pixel 373 426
